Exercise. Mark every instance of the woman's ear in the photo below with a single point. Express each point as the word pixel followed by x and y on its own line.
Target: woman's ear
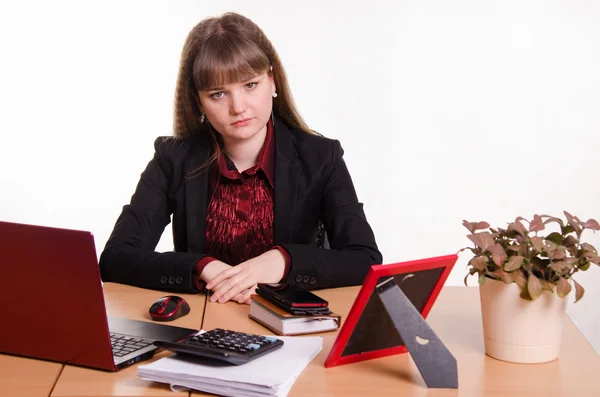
pixel 198 102
pixel 272 83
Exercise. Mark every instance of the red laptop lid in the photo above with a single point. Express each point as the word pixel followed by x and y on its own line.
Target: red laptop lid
pixel 51 294
pixel 368 332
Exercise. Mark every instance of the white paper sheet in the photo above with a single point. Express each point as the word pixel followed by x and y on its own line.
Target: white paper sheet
pixel 270 375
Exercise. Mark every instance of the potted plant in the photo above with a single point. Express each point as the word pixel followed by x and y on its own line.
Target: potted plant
pixel 524 277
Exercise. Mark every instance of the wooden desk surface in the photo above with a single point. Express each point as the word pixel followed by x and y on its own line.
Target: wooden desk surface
pixel 27 377
pixel 129 302
pixel 456 318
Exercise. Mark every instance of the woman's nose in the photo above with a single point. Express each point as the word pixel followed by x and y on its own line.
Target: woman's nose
pixel 238 102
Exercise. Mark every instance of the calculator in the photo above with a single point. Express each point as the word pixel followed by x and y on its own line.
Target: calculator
pixel 224 345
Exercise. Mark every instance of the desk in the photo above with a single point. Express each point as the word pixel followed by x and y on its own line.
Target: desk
pixel 129 302
pixel 456 318
pixel 27 377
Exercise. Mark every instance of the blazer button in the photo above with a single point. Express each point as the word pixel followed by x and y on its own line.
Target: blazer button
pixel 171 280
pixel 163 280
pixel 299 278
pixel 312 281
pixel 179 279
pixel 306 279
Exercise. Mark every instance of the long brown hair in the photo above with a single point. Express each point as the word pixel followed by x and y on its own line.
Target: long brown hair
pixel 223 50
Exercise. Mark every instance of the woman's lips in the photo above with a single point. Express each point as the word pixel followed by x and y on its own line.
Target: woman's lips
pixel 241 123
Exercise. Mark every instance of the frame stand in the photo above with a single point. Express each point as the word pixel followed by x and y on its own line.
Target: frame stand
pixel 435 362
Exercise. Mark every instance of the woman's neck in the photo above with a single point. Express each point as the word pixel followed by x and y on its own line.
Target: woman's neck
pixel 244 153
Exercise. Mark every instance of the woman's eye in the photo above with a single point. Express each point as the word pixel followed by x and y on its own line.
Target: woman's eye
pixel 217 95
pixel 251 85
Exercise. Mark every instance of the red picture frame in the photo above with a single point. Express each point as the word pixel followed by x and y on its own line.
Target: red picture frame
pixel 432 272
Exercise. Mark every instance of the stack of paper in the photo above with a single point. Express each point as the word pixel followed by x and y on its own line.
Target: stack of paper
pixel 270 375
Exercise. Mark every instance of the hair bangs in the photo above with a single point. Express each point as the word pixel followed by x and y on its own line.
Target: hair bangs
pixel 225 60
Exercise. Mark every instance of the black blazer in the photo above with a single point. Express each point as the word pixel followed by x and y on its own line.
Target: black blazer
pixel 311 182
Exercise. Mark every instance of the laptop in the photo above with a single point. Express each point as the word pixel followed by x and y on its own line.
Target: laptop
pixel 52 304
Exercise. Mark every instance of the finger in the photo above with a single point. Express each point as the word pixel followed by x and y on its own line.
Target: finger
pixel 227 286
pixel 240 287
pixel 246 301
pixel 238 298
pixel 222 276
pixel 247 296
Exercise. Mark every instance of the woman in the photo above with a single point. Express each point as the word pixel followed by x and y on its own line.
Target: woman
pixel 245 180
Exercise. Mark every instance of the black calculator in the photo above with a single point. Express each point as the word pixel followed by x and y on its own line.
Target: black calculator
pixel 225 345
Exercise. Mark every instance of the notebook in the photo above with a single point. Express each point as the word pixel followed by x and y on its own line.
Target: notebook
pixel 282 322
pixel 53 304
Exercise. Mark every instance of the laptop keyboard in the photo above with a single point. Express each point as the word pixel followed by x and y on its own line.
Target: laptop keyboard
pixel 123 345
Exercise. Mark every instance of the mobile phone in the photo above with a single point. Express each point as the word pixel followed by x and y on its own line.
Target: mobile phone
pixel 291 296
pixel 296 311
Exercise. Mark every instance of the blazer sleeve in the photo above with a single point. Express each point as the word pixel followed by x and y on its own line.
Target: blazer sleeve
pixel 129 256
pixel 353 246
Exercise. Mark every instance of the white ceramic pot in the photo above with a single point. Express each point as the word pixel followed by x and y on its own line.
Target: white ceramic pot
pixel 519 330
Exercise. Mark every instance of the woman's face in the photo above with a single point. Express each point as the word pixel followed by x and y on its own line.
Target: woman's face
pixel 239 111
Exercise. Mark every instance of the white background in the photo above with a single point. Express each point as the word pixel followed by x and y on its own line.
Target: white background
pixel 447 110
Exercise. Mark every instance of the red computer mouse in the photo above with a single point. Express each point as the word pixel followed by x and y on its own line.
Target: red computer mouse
pixel 169 308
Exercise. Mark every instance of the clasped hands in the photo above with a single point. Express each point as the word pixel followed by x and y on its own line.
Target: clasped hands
pixel 238 283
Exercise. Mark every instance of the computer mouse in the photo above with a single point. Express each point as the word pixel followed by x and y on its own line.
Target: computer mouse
pixel 169 308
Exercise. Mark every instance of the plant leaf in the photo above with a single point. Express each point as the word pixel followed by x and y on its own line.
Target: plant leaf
pixel 573 221
pixel 546 286
pixel 555 237
pixel 534 287
pixel 538 243
pixel 563 288
pixel 506 278
pixel 570 241
pixel 481 279
pixel 465 280
pixel 588 248
pixel 566 229
pixel 584 266
pixel 479 263
pixel 514 262
pixel 559 253
pixel 520 279
pixel 592 224
pixel 559 267
pixel 525 294
pixel 578 291
pixel 472 226
pixel 498 254
pixel 518 227
pixel 552 219
pixel 483 240
pixel 536 224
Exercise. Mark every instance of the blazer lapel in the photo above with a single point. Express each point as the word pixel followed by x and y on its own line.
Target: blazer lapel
pixel 196 190
pixel 286 183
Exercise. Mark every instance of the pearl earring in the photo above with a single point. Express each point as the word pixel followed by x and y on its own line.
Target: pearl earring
pixel 274 95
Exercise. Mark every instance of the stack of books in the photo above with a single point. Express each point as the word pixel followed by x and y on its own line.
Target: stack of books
pixel 270 375
pixel 281 322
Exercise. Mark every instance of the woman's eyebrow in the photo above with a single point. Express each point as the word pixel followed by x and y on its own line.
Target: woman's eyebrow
pixel 244 81
pixel 214 89
pixel 251 78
